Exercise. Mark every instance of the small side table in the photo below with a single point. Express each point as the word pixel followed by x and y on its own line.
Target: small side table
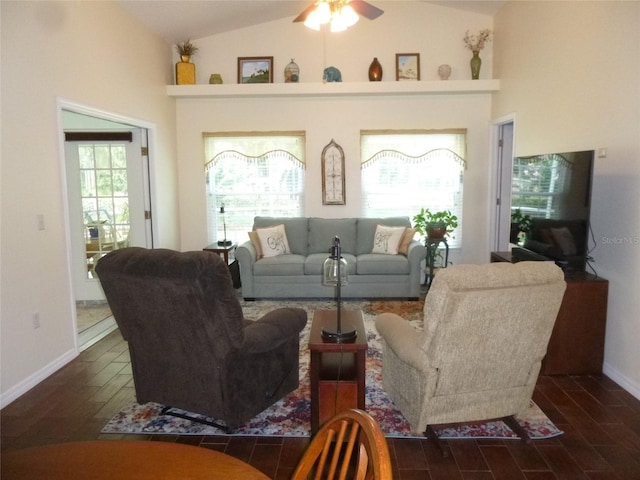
pixel 432 252
pixel 337 370
pixel 229 255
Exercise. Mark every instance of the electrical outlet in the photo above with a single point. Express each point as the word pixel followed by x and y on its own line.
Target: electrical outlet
pixel 40 221
pixel 36 320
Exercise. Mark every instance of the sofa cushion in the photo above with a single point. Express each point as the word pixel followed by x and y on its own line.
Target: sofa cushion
pixel 407 238
pixel 281 265
pixel 387 239
pixel 297 229
pixel 273 241
pixel 382 264
pixel 255 240
pixel 366 228
pixel 314 262
pixel 323 230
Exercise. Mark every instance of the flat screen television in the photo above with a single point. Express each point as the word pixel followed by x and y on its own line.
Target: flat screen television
pixel 554 190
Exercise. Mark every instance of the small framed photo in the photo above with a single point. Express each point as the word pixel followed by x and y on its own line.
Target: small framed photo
pixel 255 69
pixel 407 66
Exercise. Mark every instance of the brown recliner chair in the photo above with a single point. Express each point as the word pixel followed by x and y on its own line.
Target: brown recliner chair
pixel 190 346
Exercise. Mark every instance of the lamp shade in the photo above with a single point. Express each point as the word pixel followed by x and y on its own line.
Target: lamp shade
pixel 334 269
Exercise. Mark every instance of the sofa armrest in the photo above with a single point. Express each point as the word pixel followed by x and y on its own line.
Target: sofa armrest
pixel 273 329
pixel 416 252
pixel 402 338
pixel 246 256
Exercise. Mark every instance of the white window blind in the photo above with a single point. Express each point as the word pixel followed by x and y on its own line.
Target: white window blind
pixel 539 184
pixel 403 172
pixel 252 174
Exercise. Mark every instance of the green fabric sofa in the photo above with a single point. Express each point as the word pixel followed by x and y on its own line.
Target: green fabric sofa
pixel 299 274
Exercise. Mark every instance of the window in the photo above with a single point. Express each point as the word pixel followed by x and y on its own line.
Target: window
pixel 403 172
pixel 105 198
pixel 252 175
pixel 539 184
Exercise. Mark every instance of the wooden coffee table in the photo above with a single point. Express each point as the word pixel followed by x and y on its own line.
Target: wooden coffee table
pixel 337 370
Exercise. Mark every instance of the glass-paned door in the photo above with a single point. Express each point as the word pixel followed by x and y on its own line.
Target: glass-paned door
pixel 105 181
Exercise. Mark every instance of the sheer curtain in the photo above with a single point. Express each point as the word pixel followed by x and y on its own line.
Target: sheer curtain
pixel 403 172
pixel 252 174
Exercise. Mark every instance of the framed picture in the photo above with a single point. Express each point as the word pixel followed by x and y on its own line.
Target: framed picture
pixel 255 69
pixel 407 66
pixel 333 192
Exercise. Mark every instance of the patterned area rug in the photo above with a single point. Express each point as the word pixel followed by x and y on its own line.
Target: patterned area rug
pixel 291 415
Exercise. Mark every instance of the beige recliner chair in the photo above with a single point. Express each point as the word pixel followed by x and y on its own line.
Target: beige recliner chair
pixel 486 330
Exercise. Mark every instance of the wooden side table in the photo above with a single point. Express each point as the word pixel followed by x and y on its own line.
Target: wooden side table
pixel 228 253
pixel 337 370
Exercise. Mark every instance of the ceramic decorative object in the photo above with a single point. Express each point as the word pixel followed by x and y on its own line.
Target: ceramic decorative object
pixel 185 73
pixel 444 71
pixel 475 63
pixel 292 72
pixel 215 79
pixel 331 74
pixel 375 71
pixel 185 70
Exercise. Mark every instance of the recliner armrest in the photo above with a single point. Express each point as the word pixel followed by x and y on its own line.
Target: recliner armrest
pixel 273 329
pixel 402 338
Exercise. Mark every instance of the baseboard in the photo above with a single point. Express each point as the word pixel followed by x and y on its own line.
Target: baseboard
pixel 27 384
pixel 629 385
pixel 96 333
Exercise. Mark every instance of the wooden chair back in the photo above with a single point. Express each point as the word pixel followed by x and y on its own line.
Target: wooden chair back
pixel 351 445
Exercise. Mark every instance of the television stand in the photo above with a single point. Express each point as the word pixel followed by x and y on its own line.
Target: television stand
pixel 576 346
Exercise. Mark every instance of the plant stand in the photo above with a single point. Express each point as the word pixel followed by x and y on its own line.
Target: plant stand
pixel 432 252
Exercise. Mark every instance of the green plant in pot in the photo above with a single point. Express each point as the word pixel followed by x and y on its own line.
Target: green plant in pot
pixel 186 49
pixel 434 225
pixel 520 227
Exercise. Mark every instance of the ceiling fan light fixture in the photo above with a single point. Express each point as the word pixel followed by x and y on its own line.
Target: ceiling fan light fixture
pixel 341 14
pixel 312 21
pixel 337 25
pixel 323 12
pixel 338 13
pixel 349 16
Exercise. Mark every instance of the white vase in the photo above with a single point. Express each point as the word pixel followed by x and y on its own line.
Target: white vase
pixel 444 71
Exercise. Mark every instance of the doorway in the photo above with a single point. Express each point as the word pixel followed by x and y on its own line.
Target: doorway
pixel 108 200
pixel 503 147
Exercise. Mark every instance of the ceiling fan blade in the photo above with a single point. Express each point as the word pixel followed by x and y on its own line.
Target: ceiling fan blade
pixel 366 9
pixel 303 16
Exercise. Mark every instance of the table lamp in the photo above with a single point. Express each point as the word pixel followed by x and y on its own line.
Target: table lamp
pixel 225 242
pixel 334 272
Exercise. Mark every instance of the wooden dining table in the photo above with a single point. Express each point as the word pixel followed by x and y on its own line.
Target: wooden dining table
pixel 115 460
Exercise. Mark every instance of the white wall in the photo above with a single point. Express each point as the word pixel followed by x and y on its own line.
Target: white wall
pixel 436 33
pixel 93 54
pixel 569 73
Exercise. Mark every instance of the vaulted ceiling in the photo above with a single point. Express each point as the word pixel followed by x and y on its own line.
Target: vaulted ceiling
pixel 178 20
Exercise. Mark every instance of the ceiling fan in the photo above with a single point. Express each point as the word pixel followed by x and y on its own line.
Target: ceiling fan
pixel 340 13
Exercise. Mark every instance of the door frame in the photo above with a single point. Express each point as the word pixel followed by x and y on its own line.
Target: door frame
pixel 497 196
pixel 63 104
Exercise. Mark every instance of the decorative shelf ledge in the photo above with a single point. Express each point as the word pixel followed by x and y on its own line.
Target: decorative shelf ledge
pixel 334 89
